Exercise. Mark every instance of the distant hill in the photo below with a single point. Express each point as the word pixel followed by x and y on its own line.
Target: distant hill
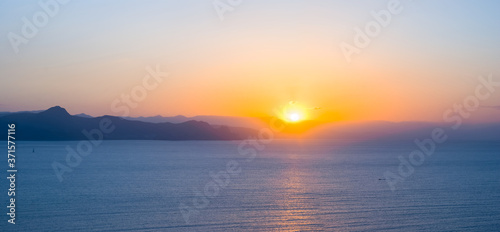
pixel 7 113
pixel 409 131
pixel 57 124
pixel 254 123
pixel 83 115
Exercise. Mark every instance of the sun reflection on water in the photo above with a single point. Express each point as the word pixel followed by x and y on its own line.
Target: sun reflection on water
pixel 295 199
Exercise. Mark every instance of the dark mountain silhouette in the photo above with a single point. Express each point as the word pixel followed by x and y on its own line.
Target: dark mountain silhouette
pixel 57 124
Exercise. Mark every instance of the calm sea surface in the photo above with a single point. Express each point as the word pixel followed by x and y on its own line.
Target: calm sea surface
pixel 289 186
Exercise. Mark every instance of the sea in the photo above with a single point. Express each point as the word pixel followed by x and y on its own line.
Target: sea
pixel 272 185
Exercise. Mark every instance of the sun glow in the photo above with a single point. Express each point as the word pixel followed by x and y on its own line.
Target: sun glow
pixel 293 117
pixel 293 113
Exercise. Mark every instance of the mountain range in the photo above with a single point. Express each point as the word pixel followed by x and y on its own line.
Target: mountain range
pixel 57 124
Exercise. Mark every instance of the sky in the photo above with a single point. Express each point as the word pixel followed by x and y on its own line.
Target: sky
pixel 250 59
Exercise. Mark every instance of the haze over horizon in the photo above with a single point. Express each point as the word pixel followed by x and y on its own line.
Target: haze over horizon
pixel 259 58
pixel 241 120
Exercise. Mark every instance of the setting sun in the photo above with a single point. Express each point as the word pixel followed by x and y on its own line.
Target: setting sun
pixel 294 117
pixel 293 112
